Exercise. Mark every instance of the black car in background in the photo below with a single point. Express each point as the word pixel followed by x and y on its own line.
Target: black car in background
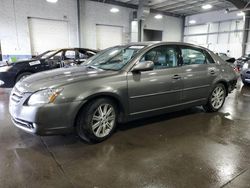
pixel 10 73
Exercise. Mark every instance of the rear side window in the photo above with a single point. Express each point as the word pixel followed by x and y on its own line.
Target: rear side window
pixel 70 54
pixel 85 54
pixel 192 56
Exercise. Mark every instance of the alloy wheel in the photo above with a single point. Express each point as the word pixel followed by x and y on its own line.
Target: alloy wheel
pixel 103 120
pixel 217 97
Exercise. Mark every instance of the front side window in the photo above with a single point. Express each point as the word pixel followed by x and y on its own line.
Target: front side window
pixel 47 54
pixel 162 57
pixel 192 56
pixel 56 56
pixel 85 54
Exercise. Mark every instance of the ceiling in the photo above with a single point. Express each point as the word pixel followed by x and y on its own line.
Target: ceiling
pixel 182 7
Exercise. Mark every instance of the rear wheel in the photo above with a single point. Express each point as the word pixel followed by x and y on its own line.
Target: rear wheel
pixel 97 121
pixel 216 99
pixel 22 76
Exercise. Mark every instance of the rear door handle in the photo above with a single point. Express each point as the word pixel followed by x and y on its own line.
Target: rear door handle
pixel 212 71
pixel 176 77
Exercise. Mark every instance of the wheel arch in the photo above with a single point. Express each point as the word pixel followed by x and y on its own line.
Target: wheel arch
pixel 225 83
pixel 114 97
pixel 21 72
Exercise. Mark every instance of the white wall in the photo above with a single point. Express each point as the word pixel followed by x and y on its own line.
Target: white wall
pixel 14 30
pixel 217 31
pixel 93 13
pixel 171 27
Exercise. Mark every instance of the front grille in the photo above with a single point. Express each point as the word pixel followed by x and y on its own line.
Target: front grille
pixel 24 124
pixel 16 95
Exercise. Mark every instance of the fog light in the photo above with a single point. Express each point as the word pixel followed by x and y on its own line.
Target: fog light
pixel 1 82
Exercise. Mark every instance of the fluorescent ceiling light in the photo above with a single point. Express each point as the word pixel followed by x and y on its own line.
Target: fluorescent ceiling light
pixel 192 22
pixel 52 1
pixel 240 13
pixel 114 10
pixel 158 16
pixel 207 6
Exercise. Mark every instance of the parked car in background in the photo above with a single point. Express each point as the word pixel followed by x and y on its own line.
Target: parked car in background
pixel 10 73
pixel 245 73
pixel 121 84
pixel 241 61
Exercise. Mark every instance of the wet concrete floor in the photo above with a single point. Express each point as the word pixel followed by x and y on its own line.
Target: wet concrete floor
pixel 184 149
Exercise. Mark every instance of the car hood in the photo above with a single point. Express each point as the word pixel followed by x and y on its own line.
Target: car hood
pixel 63 76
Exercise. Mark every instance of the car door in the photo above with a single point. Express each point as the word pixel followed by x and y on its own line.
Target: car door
pixel 199 73
pixel 161 88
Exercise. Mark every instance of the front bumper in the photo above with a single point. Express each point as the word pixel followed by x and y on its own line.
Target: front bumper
pixel 48 119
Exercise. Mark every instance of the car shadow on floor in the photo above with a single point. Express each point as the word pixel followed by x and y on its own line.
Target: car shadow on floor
pixel 69 139
pixel 160 118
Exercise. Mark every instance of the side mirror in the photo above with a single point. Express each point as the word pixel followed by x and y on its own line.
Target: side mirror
pixel 143 66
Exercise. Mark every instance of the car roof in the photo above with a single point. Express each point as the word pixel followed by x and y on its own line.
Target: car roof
pixel 86 49
pixel 151 43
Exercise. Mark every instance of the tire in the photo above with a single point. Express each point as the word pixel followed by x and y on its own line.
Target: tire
pixel 22 76
pixel 216 99
pixel 98 129
pixel 245 83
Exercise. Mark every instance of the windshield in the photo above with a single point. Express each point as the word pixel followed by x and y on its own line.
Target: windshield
pixel 46 54
pixel 114 58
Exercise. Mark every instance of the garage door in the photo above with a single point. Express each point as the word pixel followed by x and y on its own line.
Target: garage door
pixel 47 34
pixel 107 36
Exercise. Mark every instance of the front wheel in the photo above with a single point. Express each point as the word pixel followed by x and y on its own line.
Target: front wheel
pixel 97 121
pixel 216 99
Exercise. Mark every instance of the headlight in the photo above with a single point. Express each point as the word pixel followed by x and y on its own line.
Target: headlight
pixel 44 97
pixel 245 66
pixel 5 68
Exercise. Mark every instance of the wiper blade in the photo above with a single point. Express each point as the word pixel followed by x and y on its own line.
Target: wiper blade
pixel 109 69
pixel 91 67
